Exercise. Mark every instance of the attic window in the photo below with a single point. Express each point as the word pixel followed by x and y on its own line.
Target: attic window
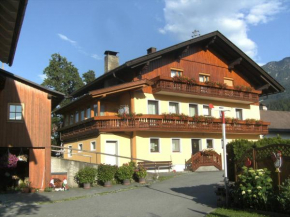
pixel 229 81
pixel 15 111
pixel 176 72
pixel 203 77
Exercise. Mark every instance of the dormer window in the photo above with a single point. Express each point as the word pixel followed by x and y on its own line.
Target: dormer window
pixel 176 72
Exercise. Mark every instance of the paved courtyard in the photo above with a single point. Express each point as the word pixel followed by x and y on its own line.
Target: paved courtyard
pixel 189 194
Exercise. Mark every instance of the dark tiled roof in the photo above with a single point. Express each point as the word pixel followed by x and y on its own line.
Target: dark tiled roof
pixel 280 120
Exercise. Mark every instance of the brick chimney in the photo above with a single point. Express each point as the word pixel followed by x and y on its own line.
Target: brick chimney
pixel 111 60
pixel 151 50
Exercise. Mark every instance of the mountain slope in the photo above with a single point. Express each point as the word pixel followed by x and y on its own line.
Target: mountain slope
pixel 279 70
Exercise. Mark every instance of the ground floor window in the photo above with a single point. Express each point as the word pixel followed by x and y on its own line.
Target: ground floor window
pixel 69 153
pixel 80 147
pixel 154 145
pixel 209 143
pixel 93 145
pixel 175 145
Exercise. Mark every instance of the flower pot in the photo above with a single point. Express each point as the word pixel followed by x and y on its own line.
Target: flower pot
pixel 25 190
pixel 87 185
pixel 32 190
pixel 142 180
pixel 108 184
pixel 126 182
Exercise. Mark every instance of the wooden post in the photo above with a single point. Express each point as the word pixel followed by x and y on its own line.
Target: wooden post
pixel 132 103
pixel 99 108
pixel 133 146
pixel 92 111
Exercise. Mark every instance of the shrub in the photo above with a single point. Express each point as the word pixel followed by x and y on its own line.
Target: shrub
pixel 106 172
pixel 86 175
pixel 48 189
pixel 125 172
pixel 284 197
pixel 141 172
pixel 254 188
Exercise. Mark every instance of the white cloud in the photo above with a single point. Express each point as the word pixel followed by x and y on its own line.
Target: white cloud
pixel 78 47
pixel 231 18
pixel 96 56
pixel 65 38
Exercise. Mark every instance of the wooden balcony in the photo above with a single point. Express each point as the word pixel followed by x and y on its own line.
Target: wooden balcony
pixel 209 158
pixel 155 123
pixel 165 85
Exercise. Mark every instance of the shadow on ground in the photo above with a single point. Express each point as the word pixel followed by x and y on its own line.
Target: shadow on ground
pixel 15 204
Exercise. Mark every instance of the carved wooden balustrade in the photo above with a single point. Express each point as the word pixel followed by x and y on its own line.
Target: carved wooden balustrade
pixel 167 84
pixel 156 123
pixel 209 158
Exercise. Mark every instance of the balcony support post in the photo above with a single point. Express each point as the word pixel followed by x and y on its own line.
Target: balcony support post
pixel 99 108
pixel 132 103
pixel 133 146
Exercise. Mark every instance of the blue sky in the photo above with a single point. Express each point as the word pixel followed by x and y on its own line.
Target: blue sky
pixel 81 30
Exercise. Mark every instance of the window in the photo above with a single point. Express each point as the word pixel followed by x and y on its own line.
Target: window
pixel 102 111
pixel 80 147
pixel 15 112
pixel 173 108
pixel 69 153
pixel 206 110
pixel 203 77
pixel 229 81
pixel 71 120
pixel 93 145
pixel 193 110
pixel 239 114
pixel 153 107
pixel 88 115
pixel 66 122
pixel 209 143
pixel 82 115
pixel 176 72
pixel 154 145
pixel 76 116
pixel 95 110
pixel 175 145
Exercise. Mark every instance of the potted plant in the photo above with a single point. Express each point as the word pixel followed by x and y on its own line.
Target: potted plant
pixel 86 176
pixel 125 173
pixel 8 161
pixel 106 174
pixel 25 187
pixel 141 174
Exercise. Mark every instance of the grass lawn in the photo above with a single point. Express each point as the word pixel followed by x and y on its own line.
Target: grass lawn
pixel 220 212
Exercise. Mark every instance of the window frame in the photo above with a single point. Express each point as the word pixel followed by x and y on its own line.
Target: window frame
pixel 229 79
pixel 242 111
pixel 204 75
pixel 196 108
pixel 210 113
pixel 178 104
pixel 80 145
pixel 91 145
pixel 159 146
pixel 178 72
pixel 179 145
pixel 212 143
pixel 82 115
pixel 158 108
pixel 22 112
pixel 77 117
pixel 88 112
pixel 69 155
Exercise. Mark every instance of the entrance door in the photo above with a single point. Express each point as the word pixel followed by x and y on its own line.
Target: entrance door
pixel 195 145
pixel 111 148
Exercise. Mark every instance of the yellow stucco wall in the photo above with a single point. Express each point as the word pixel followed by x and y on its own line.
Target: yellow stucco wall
pixel 82 155
pixel 141 105
pixel 123 147
pixel 178 159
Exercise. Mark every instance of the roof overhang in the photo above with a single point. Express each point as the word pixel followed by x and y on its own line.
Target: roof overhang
pixel 215 42
pixel 11 19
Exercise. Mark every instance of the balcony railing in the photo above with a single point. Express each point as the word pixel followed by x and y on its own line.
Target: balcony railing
pixel 167 84
pixel 157 123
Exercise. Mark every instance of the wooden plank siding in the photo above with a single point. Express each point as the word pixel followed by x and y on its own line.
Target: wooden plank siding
pixel 193 62
pixel 37 113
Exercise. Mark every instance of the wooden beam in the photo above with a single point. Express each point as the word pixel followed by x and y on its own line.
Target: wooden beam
pixel 92 111
pixel 210 43
pixel 2 81
pixel 133 147
pixel 234 63
pixel 266 86
pixel 179 56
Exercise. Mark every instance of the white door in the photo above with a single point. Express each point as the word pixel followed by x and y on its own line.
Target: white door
pixel 111 148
